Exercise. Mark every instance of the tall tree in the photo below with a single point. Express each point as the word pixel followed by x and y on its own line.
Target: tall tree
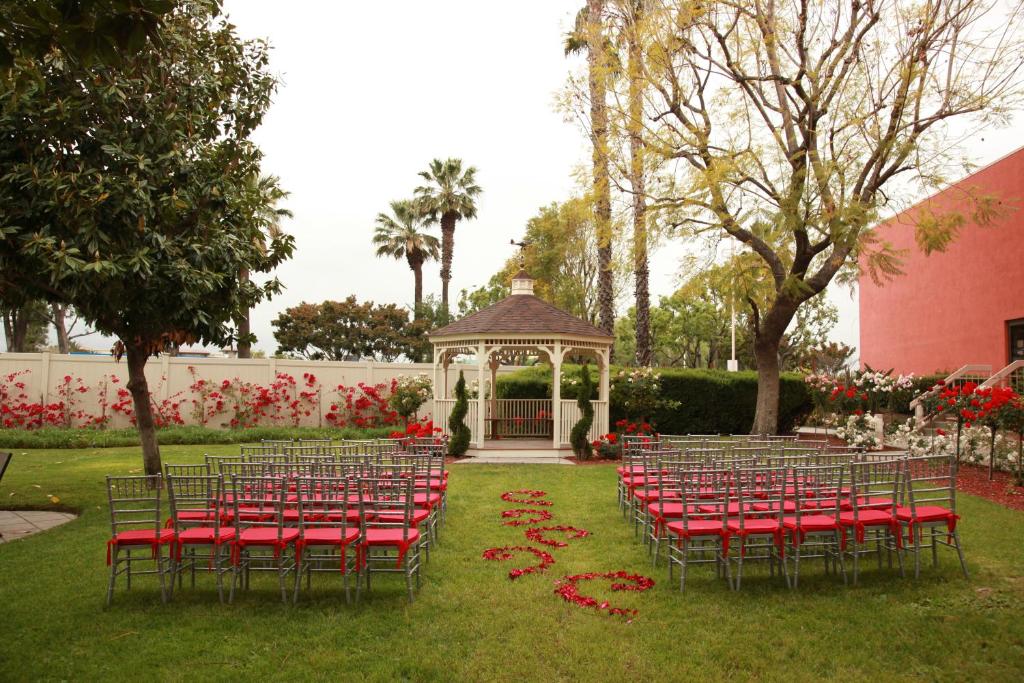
pixel 132 200
pixel 402 235
pixel 634 127
pixel 269 215
pixel 589 35
pixel 449 196
pixel 792 124
pixel 24 326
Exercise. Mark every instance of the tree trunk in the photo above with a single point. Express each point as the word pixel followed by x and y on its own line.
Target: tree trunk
pixel 644 352
pixel 139 388
pixel 767 340
pixel 597 73
pixel 447 249
pixel 416 265
pixel 9 330
pixel 19 330
pixel 60 324
pixel 244 327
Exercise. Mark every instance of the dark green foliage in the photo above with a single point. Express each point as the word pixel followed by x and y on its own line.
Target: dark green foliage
pixel 579 437
pixel 54 437
pixel 458 432
pixel 711 401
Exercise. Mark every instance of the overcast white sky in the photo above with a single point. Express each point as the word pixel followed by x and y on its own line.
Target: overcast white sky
pixel 372 91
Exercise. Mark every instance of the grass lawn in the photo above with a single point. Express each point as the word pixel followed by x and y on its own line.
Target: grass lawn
pixel 470 622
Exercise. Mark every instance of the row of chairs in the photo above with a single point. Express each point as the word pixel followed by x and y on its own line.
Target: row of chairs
pixel 353 515
pixel 711 508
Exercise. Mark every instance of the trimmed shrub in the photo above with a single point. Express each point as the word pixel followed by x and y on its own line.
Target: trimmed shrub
pixel 711 401
pixel 459 434
pixel 579 438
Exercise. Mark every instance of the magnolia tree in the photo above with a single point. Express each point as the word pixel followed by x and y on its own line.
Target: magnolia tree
pixel 133 200
pixel 787 127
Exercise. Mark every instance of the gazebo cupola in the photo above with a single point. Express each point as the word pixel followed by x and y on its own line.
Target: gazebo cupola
pixel 521 324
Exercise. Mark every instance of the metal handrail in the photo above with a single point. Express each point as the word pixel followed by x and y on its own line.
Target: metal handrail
pixel 997 378
pixel 917 405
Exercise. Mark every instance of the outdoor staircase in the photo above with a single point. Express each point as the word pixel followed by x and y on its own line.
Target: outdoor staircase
pixel 1010 376
pixel 518 452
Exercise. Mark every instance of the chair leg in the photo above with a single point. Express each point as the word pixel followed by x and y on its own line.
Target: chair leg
pixel 917 554
pixel 161 573
pixel 408 576
pixel 839 554
pixel 113 574
pixel 960 554
pixel 682 567
pixel 280 577
pixel 739 563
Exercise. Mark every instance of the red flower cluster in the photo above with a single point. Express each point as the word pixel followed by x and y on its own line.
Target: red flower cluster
pixel 536 534
pixel 972 403
pixel 530 499
pixel 418 430
pixel 515 515
pixel 634 428
pixel 568 589
pixel 505 553
pixel 363 406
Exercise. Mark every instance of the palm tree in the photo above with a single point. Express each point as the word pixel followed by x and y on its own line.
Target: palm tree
pixel 449 197
pixel 399 236
pixel 588 36
pixel 644 352
pixel 268 190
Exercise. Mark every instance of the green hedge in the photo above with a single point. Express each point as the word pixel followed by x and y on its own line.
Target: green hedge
pixel 53 437
pixel 711 401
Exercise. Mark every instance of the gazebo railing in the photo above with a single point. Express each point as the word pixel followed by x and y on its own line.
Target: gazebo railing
pixel 519 417
pixel 571 415
pixel 443 409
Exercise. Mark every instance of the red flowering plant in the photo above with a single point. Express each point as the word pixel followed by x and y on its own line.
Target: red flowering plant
pixel 993 405
pixel 568 588
pixel 421 429
pixel 608 446
pixel 506 552
pixel 166 412
pixel 363 405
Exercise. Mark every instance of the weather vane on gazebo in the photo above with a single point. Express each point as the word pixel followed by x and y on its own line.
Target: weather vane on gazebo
pixel 522 250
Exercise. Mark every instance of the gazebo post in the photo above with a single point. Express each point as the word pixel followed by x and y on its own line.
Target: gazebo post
pixel 481 395
pixel 556 395
pixel 606 372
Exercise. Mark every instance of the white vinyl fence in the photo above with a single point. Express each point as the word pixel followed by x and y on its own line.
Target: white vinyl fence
pixel 170 379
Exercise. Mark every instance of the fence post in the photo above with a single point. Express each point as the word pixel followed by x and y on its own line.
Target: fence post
pixel 44 376
pixel 165 374
pixel 369 373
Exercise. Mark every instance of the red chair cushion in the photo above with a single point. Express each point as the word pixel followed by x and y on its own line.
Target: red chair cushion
pixel 143 537
pixel 754 526
pixel 426 499
pixel 328 536
pixel 925 513
pixel 205 535
pixel 267 536
pixel 866 517
pixel 870 502
pixel 787 506
pixel 811 523
pixel 351 515
pixel 418 515
pixel 390 536
pixel 697 527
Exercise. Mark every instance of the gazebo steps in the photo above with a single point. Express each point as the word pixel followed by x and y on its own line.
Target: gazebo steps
pixel 492 456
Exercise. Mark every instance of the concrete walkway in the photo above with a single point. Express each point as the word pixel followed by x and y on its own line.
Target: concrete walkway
pixel 18 524
pixel 516 455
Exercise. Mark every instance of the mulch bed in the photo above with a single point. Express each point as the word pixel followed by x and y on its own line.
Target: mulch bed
pixel 974 480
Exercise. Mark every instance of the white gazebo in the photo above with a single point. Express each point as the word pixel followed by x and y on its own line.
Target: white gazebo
pixel 518 326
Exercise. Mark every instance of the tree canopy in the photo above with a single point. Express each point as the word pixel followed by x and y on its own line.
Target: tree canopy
pixel 348 330
pixel 128 190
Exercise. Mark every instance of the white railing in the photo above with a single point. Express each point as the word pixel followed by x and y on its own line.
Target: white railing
pixel 443 409
pixel 514 417
pixel 571 415
pixel 1011 376
pixel 978 373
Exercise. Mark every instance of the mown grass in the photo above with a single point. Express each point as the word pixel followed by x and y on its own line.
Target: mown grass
pixel 470 622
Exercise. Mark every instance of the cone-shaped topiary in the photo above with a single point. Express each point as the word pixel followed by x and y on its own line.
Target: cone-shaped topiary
pixel 579 437
pixel 459 435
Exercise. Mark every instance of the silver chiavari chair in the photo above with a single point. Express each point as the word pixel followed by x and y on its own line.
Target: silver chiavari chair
pixel 136 526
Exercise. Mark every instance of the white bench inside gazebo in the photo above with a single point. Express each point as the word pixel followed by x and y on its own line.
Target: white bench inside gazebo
pixel 517 327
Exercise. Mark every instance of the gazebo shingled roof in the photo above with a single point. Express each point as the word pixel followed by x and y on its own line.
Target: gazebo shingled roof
pixel 520 314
